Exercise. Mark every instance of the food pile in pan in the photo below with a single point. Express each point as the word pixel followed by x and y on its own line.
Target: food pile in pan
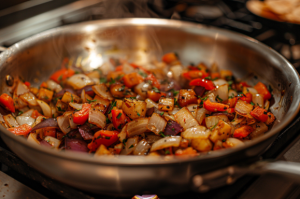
pixel 161 109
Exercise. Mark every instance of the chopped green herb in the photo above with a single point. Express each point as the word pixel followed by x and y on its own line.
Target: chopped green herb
pixel 161 114
pixel 213 127
pixel 107 137
pixel 60 78
pixel 167 152
pixel 162 134
pixel 149 82
pixel 48 141
pixel 130 146
pixel 228 77
pixel 232 96
pixel 68 127
pixel 132 97
pixel 142 74
pixel 20 113
pixel 207 115
pixel 53 115
pixel 64 136
pixel 223 140
pixel 99 137
pixel 204 98
pixel 98 70
pixel 155 89
pixel 118 78
pixel 173 129
pixel 103 80
pixel 209 77
pixel 229 88
pixel 174 92
pixel 214 79
pixel 77 72
pixel 46 97
pixel 218 98
pixel 270 89
pixel 233 120
pixel 107 121
pixel 112 81
pixel 113 104
pixel 230 82
pixel 124 142
pixel 138 113
pixel 119 115
pixel 72 98
pixel 252 103
pixel 176 102
pixel 89 101
pixel 91 125
pixel 59 109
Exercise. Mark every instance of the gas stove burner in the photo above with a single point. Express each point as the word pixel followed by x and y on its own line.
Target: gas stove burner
pixel 205 11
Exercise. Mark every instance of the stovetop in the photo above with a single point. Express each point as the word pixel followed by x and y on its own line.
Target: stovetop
pixel 18 180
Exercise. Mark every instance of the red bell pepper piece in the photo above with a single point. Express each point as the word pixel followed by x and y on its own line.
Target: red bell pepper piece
pixel 193 74
pixel 80 117
pixel 62 74
pixel 132 79
pixel 24 129
pixel 104 137
pixel 44 85
pixel 169 58
pixel 230 110
pixel 119 68
pixel 262 89
pixel 154 81
pixel 215 75
pixel 49 131
pixel 27 84
pixel 214 106
pixel 246 97
pixel 8 102
pixel 140 67
pixel 119 119
pixel 207 84
pixel 243 131
pixel 260 114
pixel 232 102
pixel 35 114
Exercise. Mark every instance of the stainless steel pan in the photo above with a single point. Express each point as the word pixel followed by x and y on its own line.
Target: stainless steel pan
pixel 35 58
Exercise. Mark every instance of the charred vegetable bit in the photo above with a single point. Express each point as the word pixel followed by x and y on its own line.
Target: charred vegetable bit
pixel 161 108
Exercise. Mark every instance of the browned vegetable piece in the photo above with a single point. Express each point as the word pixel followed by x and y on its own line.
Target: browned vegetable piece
pixel 69 97
pixel 221 131
pixel 102 150
pixel 119 103
pixel 45 95
pixel 100 107
pixel 270 119
pixel 61 106
pixel 29 98
pixel 34 90
pixel 184 143
pixel 117 90
pixel 225 74
pixel 134 108
pixel 166 104
pixel 186 97
pixel 201 145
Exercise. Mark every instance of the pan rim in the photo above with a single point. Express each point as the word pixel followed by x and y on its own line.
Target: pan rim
pixel 144 161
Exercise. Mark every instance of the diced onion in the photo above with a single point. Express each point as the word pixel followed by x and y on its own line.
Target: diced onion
pixel 32 138
pixel 127 68
pixel 151 103
pixel 10 121
pixel 220 82
pixel 174 111
pixel 259 129
pixel 243 107
pixel 170 141
pixel 130 146
pixel 21 88
pixel 137 127
pixel 185 118
pixel 156 123
pixel 63 123
pixel 267 105
pixel 29 98
pixel 193 108
pixel 122 134
pixel 222 92
pixel 45 107
pixel 213 120
pixel 141 148
pixel 258 99
pixel 176 71
pixel 75 106
pixel 83 96
pixel 102 91
pixel 52 141
pixel 25 120
pixel 252 90
pixel 28 113
pixel 232 93
pixel 79 81
pixel 233 142
pixel 196 132
pixel 141 89
pixel 72 124
pixel 54 86
pixel 200 114
pixel 152 138
pixel 97 118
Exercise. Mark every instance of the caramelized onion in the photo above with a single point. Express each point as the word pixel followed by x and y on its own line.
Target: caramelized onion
pixel 102 91
pixel 63 123
pixel 137 127
pixel 130 146
pixel 196 132
pixel 156 123
pixel 185 118
pixel 213 120
pixel 243 107
pixel 141 148
pixel 45 107
pixel 170 141
pixel 97 118
pixel 52 141
pixel 79 81
pixel 25 120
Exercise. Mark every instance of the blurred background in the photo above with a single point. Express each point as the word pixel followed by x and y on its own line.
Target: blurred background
pixel 275 23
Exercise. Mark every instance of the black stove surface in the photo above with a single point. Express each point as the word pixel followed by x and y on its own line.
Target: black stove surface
pixel 231 15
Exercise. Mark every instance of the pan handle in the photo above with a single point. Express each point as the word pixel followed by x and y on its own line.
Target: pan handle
pixel 229 175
